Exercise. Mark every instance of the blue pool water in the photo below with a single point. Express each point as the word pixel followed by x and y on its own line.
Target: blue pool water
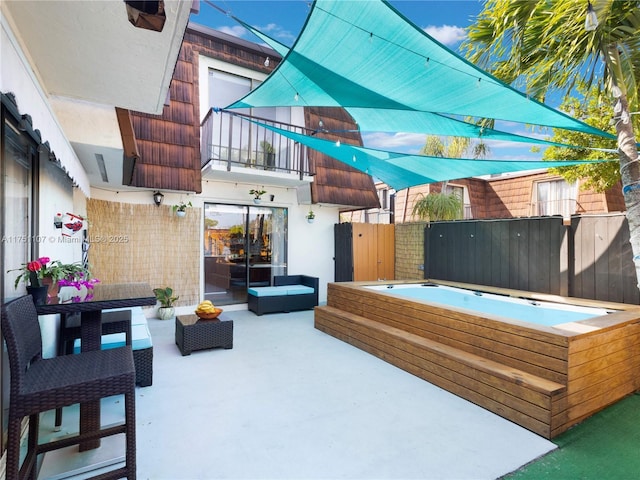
pixel 527 310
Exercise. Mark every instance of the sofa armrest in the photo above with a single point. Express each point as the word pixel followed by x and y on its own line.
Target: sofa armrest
pixel 313 282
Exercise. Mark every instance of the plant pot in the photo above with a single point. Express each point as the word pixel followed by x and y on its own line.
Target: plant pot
pixel 39 294
pixel 257 201
pixel 270 160
pixel 165 313
pixel 52 285
pixel 310 220
pixel 181 213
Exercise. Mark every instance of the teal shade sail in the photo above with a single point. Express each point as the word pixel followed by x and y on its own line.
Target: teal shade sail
pixel 401 171
pixel 366 57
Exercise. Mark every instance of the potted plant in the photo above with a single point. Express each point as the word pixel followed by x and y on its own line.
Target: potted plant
pixel 257 195
pixel 311 216
pixel 79 277
pixel 269 154
pixel 43 276
pixel 181 208
pixel 166 298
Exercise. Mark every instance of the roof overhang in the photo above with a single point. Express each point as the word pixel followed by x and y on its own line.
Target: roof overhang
pixel 89 58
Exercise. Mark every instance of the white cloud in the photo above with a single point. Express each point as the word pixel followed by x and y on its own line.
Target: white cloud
pixel 447 34
pixel 276 31
pixel 394 141
pixel 236 31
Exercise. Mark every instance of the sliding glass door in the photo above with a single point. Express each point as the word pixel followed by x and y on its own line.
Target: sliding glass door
pixel 244 246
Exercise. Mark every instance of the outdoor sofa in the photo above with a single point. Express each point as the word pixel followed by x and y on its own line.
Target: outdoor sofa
pixel 288 293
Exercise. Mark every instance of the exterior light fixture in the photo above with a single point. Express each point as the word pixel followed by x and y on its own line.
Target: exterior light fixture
pixel 591 20
pixel 266 62
pixel 157 198
pixel 146 14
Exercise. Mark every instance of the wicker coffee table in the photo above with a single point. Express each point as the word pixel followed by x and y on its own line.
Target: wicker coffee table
pixel 193 333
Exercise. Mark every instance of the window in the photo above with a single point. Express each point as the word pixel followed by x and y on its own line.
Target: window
pixel 463 195
pixel 383 196
pixel 555 197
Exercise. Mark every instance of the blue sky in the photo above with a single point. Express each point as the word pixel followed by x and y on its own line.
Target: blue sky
pixel 283 20
pixel 444 20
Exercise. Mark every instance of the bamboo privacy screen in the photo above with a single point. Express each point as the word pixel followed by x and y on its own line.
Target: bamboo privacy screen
pixel 145 243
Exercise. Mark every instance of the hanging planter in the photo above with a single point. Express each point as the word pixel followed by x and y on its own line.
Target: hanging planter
pixel 311 216
pixel 181 209
pixel 257 195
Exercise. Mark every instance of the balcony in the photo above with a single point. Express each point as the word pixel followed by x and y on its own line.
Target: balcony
pixel 235 148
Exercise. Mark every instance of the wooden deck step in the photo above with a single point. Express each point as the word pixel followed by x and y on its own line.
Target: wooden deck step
pixel 521 397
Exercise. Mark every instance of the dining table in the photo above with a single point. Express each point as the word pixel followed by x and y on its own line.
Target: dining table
pixel 90 303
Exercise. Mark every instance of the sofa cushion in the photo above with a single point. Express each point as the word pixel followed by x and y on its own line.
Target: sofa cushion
pixel 299 289
pixel 141 339
pixel 268 291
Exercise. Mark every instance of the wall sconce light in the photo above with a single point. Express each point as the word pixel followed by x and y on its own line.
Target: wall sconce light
pixel 146 14
pixel 157 198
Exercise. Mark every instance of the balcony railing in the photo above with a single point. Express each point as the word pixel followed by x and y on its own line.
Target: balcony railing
pixel 230 139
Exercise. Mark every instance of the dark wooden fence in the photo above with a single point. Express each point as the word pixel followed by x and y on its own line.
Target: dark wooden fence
pixel 590 257
pixel 343 251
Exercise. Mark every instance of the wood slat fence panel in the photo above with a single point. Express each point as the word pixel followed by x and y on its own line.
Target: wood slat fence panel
pixel 590 258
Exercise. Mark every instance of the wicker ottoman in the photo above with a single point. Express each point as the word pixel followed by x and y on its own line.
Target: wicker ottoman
pixel 193 333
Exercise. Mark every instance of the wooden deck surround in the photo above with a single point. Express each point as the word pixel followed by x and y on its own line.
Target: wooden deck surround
pixel 545 379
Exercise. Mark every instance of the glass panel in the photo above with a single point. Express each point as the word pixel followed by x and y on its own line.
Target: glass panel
pixel 459 192
pixel 15 165
pixel 543 198
pixel 267 248
pixel 17 201
pixel 242 243
pixel 224 254
pixel 231 141
pixel 557 198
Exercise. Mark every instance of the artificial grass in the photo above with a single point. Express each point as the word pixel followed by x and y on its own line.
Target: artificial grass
pixel 604 446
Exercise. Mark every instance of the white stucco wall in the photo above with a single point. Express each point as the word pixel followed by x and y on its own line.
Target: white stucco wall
pixel 20 78
pixel 310 245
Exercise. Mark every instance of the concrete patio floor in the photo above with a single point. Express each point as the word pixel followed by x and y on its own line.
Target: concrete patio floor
pixel 290 402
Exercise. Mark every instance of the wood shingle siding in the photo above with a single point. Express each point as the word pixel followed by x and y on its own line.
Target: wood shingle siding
pixel 169 144
pixel 336 182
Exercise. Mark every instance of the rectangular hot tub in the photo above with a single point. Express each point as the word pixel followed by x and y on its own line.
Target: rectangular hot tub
pixel 542 361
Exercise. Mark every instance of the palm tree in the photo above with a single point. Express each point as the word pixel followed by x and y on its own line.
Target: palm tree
pixel 438 206
pixel 545 46
pixel 445 205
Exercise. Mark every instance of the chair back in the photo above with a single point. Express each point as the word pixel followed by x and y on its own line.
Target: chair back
pixel 21 331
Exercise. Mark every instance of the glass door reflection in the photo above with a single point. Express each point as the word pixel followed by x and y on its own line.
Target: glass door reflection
pixel 244 246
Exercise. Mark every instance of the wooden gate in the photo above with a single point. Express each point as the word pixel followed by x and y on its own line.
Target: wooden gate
pixel 364 251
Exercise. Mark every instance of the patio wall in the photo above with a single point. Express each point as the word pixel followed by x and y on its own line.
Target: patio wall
pixel 144 243
pixel 590 258
pixel 410 251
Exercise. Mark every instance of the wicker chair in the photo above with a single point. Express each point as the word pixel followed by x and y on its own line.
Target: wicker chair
pixel 112 322
pixel 39 385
